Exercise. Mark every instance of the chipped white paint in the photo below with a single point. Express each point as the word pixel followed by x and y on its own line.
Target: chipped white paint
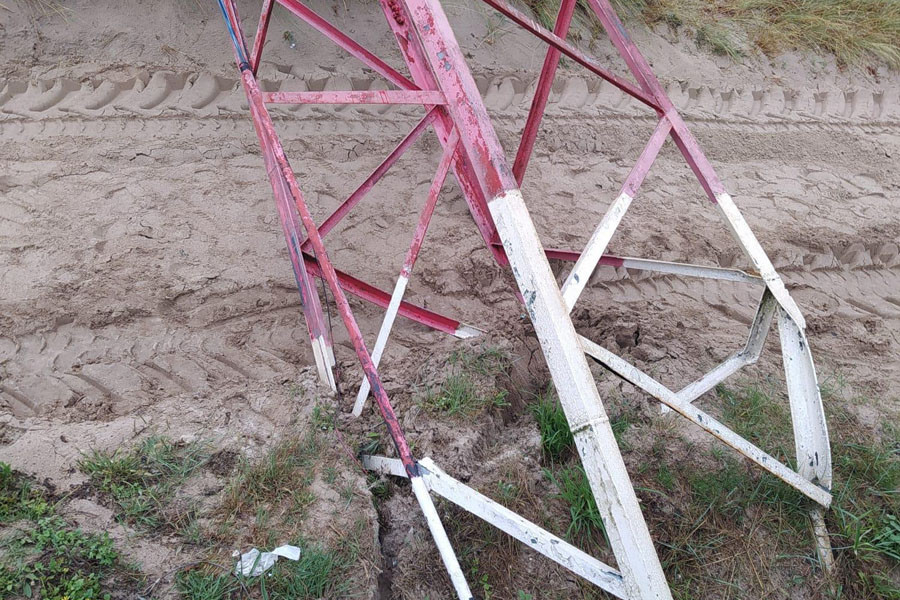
pixel 748 242
pixel 807 413
pixel 594 250
pixel 381 341
pixel 465 332
pixel 616 500
pixel 551 546
pixel 324 357
pixel 440 539
pixel 703 420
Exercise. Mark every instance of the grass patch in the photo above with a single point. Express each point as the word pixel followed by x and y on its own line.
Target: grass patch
pixel 19 499
pixel 854 31
pixel 585 525
pixel 556 438
pixel 470 386
pixel 43 555
pixel 285 473
pixel 320 573
pixel 142 481
pixel 727 521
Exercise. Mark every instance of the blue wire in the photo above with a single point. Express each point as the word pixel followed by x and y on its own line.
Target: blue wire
pixel 234 40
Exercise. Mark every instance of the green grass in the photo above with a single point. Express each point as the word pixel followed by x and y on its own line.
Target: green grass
pixel 142 481
pixel 44 556
pixel 320 573
pixel 585 524
pixel 284 473
pixel 470 386
pixel 729 514
pixel 556 438
pixel 19 499
pixel 854 31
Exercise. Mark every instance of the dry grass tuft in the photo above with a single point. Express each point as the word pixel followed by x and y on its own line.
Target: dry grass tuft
pixel 854 31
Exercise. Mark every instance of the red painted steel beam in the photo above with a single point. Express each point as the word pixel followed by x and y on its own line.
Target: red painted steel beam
pixel 431 98
pixel 378 297
pixel 345 42
pixel 542 93
pixel 642 72
pixel 372 179
pixel 266 130
pixel 399 19
pixel 560 44
pixel 319 333
pixel 261 30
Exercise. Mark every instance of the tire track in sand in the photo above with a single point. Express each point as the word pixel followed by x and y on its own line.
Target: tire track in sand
pixel 109 368
pixel 195 95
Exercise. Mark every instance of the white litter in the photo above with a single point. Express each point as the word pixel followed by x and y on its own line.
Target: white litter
pixel 254 563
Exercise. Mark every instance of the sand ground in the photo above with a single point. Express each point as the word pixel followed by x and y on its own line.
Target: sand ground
pixel 144 283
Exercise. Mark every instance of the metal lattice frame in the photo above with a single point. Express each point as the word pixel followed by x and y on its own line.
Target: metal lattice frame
pixel 440 81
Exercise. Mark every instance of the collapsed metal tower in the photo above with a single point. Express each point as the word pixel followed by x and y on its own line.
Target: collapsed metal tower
pixel 440 81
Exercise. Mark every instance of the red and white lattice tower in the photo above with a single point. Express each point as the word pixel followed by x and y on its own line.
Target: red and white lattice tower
pixel 439 80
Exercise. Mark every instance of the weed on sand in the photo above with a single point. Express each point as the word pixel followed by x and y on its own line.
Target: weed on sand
pixel 142 481
pixel 44 556
pixel 470 384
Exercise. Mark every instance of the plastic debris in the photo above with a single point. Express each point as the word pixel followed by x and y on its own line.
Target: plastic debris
pixel 254 563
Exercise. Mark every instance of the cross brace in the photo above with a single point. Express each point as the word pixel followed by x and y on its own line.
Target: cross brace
pixel 440 82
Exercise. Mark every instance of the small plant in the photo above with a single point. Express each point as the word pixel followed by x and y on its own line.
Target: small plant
pixel 142 481
pixel 48 558
pixel 556 437
pixel 574 488
pixel 322 419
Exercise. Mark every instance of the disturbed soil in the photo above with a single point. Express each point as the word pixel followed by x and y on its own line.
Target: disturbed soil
pixel 145 285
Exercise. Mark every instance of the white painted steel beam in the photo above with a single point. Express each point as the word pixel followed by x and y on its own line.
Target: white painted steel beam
pixel 616 500
pixel 688 270
pixel 748 242
pixel 749 354
pixel 530 534
pixel 703 420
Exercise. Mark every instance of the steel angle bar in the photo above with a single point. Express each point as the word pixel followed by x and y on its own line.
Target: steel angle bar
pixel 516 526
pixel 747 355
pixel 694 156
pixel 599 240
pixel 266 132
pixel 807 413
pixel 380 171
pixel 399 19
pixel 542 92
pixel 312 309
pixel 344 41
pixel 752 248
pixel 431 98
pixel 412 254
pixel 572 52
pixel 661 266
pixel 262 29
pixel 700 418
pixel 616 500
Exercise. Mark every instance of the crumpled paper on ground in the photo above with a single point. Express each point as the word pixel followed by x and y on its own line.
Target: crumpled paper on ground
pixel 254 563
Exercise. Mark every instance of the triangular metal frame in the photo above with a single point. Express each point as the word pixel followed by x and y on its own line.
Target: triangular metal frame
pixel 441 83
